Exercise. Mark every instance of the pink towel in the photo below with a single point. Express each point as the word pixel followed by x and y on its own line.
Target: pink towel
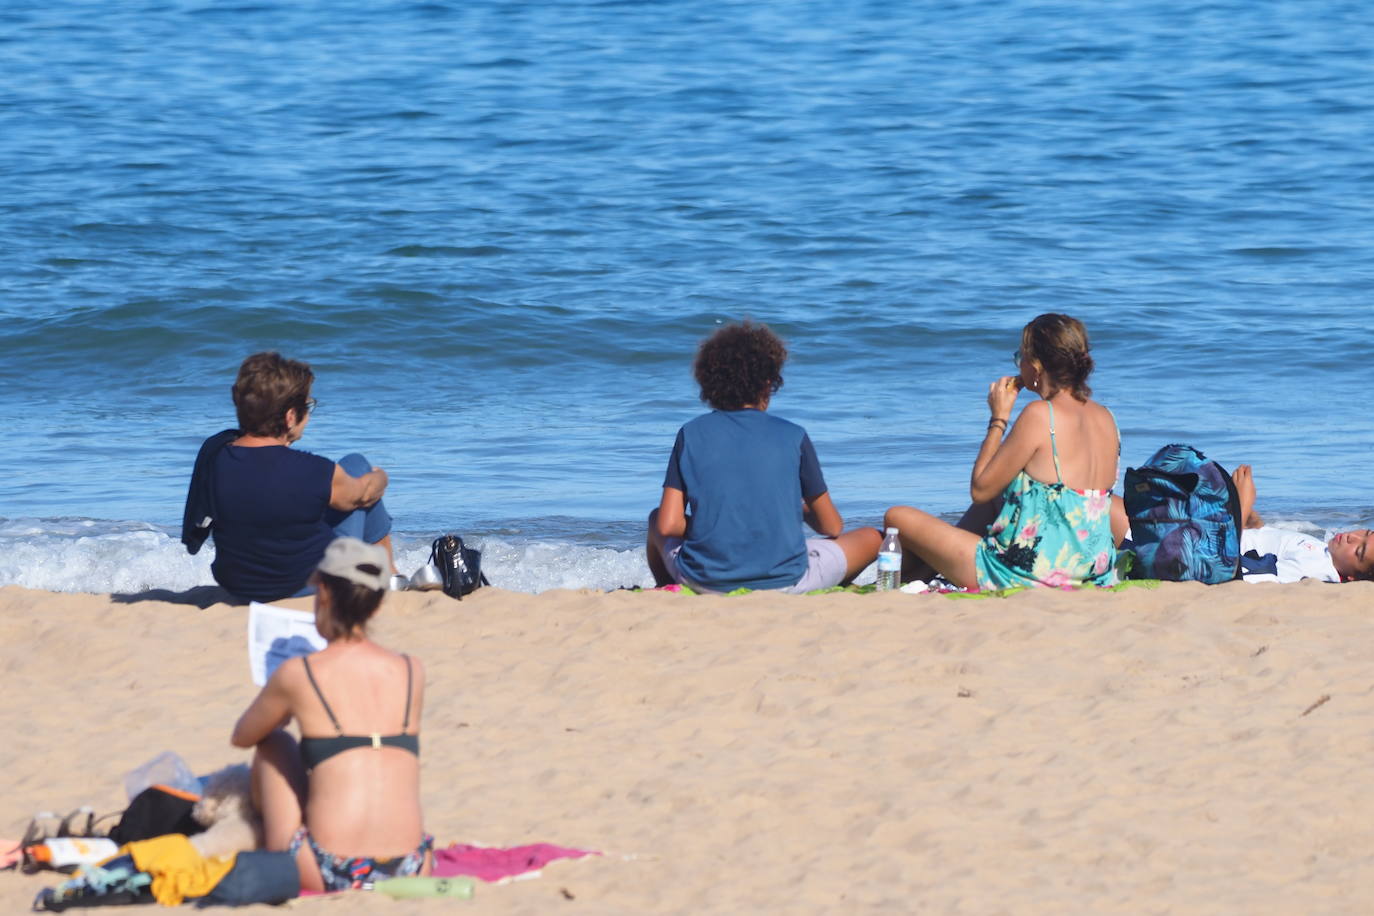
pixel 491 864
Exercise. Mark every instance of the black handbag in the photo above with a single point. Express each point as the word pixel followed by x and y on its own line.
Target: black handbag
pixel 460 566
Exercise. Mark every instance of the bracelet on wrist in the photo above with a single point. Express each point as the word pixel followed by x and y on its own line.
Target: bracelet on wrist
pixel 995 420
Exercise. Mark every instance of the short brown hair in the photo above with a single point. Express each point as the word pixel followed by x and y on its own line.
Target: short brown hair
pixel 268 385
pixel 739 363
pixel 1059 344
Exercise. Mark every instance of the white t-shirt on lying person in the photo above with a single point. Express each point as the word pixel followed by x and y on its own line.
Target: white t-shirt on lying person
pixel 1298 555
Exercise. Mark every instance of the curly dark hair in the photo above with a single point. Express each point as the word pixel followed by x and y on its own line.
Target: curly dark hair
pixel 738 365
pixel 1060 344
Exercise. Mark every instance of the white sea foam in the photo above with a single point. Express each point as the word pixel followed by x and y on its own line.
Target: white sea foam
pixel 538 566
pixel 82 555
pixel 86 555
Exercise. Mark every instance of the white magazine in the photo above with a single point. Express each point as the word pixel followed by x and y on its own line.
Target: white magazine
pixel 276 634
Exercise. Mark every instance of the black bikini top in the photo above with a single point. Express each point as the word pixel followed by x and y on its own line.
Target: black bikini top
pixel 315 751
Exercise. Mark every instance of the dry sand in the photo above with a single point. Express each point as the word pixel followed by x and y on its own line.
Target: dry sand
pixel 1149 751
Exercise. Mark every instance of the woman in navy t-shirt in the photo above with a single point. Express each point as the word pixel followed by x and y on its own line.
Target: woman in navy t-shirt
pixel 272 509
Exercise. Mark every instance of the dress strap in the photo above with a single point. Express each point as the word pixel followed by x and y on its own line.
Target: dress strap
pixel 1054 449
pixel 406 724
pixel 308 673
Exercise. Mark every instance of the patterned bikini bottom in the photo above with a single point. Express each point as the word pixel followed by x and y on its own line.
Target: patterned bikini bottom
pixel 341 873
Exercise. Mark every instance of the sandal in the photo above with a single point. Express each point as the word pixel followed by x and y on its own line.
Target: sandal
pixel 70 826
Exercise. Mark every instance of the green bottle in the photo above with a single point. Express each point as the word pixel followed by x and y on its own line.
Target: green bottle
pixel 405 888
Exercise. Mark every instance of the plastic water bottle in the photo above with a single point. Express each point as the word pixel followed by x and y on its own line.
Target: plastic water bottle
pixel 890 562
pixel 424 886
pixel 166 769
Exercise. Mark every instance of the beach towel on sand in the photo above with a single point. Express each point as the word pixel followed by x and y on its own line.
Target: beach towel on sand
pixel 491 864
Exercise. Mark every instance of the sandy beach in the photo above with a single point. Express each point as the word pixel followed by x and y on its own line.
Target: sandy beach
pixel 1176 750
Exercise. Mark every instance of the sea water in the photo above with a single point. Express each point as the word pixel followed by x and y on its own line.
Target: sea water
pixel 497 232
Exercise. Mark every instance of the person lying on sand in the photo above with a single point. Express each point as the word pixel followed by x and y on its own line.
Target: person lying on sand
pixel 345 799
pixel 1272 554
pixel 740 483
pixel 1041 495
pixel 273 509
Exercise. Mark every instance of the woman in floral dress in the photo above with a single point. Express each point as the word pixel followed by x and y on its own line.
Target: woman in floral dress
pixel 1041 489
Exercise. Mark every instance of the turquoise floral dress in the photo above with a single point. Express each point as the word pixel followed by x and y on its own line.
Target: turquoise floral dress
pixel 1048 534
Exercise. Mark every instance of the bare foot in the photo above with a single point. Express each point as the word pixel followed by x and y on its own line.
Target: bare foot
pixel 1244 478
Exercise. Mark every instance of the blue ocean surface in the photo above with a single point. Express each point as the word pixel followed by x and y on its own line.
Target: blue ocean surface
pixel 497 232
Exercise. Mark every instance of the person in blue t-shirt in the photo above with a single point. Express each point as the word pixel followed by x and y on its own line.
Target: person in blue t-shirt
pixel 271 509
pixel 741 482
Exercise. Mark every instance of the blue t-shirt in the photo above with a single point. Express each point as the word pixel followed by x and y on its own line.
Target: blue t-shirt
pixel 269 529
pixel 744 474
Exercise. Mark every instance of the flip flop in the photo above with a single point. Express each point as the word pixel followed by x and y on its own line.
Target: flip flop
pixel 72 825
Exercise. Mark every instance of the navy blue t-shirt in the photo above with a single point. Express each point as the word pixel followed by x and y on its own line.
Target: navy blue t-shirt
pixel 269 529
pixel 744 474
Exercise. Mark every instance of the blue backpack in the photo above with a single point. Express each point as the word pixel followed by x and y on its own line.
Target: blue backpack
pixel 1185 518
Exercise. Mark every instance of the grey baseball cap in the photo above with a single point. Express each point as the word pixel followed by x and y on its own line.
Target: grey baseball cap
pixel 359 562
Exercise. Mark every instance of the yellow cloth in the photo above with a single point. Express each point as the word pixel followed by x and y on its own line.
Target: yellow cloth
pixel 177 869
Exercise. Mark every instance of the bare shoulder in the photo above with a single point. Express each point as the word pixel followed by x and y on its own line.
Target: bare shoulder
pixel 289 675
pixel 1036 412
pixel 288 681
pixel 407 662
pixel 1101 415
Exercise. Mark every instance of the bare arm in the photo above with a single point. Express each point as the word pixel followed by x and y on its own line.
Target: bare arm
pixel 269 711
pixel 672 513
pixel 1121 525
pixel 347 492
pixel 1000 460
pixel 822 516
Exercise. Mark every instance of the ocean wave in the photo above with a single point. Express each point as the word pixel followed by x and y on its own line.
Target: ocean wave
pixel 87 555
pixel 498 233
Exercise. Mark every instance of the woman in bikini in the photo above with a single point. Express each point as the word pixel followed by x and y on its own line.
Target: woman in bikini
pixel 345 800
pixel 1041 491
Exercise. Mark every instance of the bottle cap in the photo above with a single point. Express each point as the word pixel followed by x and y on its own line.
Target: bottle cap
pixel 891 530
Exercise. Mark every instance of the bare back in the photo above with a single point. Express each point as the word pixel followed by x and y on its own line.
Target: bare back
pixel 363 801
pixel 1086 438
